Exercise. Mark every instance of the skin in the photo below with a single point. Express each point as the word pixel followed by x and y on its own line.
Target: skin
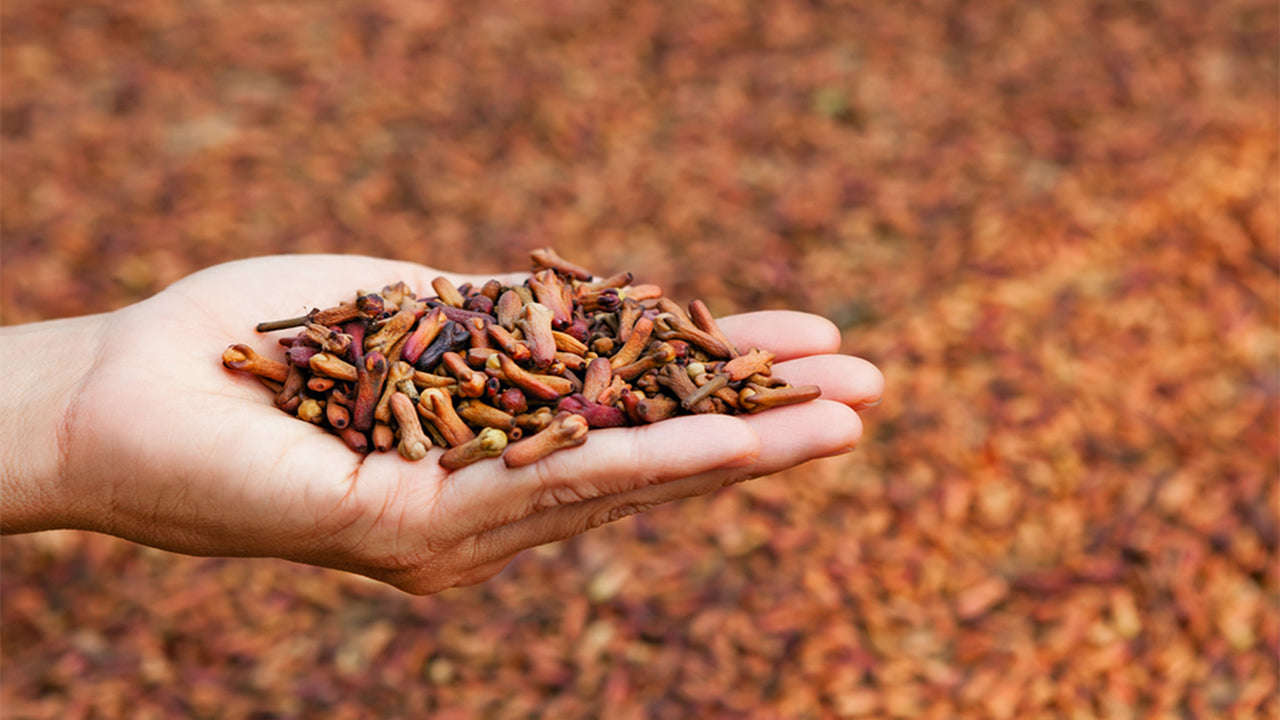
pixel 126 423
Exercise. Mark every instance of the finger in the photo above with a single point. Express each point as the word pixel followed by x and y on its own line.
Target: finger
pixel 843 378
pixel 486 495
pixel 785 333
pixel 798 433
pixel 793 435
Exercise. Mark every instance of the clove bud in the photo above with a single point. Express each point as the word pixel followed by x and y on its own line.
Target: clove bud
pixel 519 370
pixel 565 430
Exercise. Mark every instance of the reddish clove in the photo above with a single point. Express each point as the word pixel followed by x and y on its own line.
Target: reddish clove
pixel 370 375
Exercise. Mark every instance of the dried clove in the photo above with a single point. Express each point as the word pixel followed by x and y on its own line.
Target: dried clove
pixel 447 293
pixel 310 410
pixel 488 443
pixel 637 340
pixel 547 258
pixel 426 331
pixel 704 321
pixel 471 384
pixel 395 328
pixel 451 338
pixel 565 430
pixel 537 329
pixel 398 372
pixel 384 438
pixel 512 373
pixel 370 375
pixel 755 398
pixel 482 414
pixel 437 407
pixel 597 415
pixel 535 364
pixel 550 292
pixel 744 366
pixel 243 357
pixel 414 443
pixel 331 366
pixel 597 377
pixel 290 395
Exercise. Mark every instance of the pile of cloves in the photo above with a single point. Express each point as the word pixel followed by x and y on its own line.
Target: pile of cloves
pixel 518 371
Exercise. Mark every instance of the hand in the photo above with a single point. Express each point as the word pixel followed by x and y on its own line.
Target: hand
pixel 133 428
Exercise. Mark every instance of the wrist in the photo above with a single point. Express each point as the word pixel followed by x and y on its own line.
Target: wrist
pixel 45 365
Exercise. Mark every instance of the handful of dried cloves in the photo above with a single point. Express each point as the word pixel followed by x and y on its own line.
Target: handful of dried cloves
pixel 518 371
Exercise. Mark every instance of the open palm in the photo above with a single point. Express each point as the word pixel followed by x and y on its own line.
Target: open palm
pixel 167 448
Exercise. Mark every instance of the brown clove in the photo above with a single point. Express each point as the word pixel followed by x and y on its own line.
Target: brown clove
pixel 447 292
pixel 397 372
pixel 677 380
pixel 370 375
pixel 414 443
pixel 507 343
pixel 533 387
pixel 704 321
pixel 536 326
pixel 596 377
pixel 566 430
pixel 755 398
pixel 548 259
pixel 637 341
pixel 243 358
pixel 290 395
pixel 395 328
pixel 437 407
pixel 678 326
pixel 744 366
pixel 488 443
pixel 471 384
pixel 660 353
pixel 550 292
pixel 334 367
pixel 481 414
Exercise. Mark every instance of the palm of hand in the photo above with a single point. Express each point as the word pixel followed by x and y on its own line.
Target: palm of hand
pixel 191 457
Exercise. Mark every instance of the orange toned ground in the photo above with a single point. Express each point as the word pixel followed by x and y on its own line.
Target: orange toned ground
pixel 1052 224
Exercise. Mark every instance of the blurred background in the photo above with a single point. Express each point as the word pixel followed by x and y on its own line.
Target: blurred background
pixel 1052 224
